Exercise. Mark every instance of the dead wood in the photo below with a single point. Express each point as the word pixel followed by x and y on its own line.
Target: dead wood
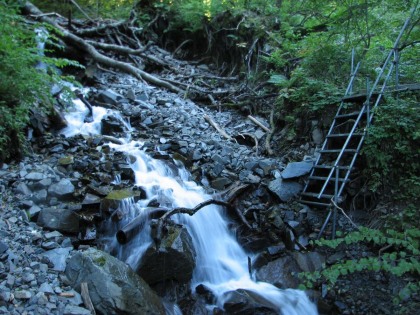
pixel 101 28
pixel 270 134
pixel 258 123
pixel 84 290
pixel 217 127
pixel 75 40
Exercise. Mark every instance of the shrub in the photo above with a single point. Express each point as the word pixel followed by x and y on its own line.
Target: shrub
pixel 22 85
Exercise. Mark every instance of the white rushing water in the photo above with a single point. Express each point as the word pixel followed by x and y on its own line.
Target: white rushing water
pixel 221 263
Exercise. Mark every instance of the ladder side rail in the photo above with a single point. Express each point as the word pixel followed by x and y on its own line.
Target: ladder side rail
pixel 388 58
pixel 369 115
pixel 339 108
pixel 346 177
pixel 343 149
pixel 348 89
pixel 381 93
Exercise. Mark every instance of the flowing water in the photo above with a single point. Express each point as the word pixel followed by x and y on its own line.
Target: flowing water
pixel 221 264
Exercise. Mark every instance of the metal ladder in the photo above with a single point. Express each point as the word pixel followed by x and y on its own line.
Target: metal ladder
pixel 344 140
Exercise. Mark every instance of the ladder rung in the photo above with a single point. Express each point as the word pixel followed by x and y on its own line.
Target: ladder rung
pixel 332 178
pixel 309 194
pixel 331 166
pixel 354 114
pixel 340 135
pixel 314 203
pixel 338 151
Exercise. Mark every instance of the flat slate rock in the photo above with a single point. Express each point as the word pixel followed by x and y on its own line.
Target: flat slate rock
pixel 286 190
pixel 296 169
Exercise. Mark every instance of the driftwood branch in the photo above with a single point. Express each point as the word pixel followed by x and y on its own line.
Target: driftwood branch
pixel 258 123
pixel 217 127
pixel 270 134
pixel 74 40
pixel 86 297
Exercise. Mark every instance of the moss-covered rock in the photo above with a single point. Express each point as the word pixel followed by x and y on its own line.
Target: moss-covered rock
pixel 113 286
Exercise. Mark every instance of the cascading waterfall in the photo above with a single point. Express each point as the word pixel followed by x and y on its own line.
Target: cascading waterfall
pixel 221 264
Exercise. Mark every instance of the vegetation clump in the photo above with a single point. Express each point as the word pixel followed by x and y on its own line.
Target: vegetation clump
pixel 26 77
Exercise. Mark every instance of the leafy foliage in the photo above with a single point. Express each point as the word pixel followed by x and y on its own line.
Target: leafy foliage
pixel 391 148
pixel 398 254
pixel 24 81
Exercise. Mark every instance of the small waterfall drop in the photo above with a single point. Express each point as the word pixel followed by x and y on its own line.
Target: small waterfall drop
pixel 221 263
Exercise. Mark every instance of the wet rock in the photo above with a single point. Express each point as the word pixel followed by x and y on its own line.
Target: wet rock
pixel 63 220
pixel 174 259
pixel 285 190
pixel 220 183
pixel 62 190
pixel 113 287
pixel 296 169
pixel 110 125
pixel 112 201
pixel 281 272
pixel 109 97
pixel 246 302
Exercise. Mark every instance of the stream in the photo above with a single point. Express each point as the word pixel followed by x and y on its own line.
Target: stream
pixel 221 263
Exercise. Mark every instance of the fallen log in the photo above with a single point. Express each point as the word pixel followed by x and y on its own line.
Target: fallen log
pixel 128 232
pixel 77 41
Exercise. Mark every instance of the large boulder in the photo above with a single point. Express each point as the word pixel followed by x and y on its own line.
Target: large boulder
pixel 173 259
pixel 281 272
pixel 114 287
pixel 63 220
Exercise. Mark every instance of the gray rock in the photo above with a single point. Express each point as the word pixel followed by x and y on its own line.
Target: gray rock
pixel 285 190
pixel 44 183
pixel 39 196
pixel 34 212
pixel 220 183
pixel 23 189
pixel 296 169
pixel 58 257
pixel 46 288
pixel 34 176
pixel 309 262
pixel 22 295
pixel 52 234
pixel 62 190
pixel 109 97
pixel 174 259
pixel 3 247
pixel 281 272
pixel 63 220
pixel 49 245
pixel 247 302
pixel 75 310
pixel 114 288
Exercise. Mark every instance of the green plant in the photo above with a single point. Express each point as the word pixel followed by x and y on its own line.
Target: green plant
pixel 23 86
pixel 398 254
pixel 391 149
